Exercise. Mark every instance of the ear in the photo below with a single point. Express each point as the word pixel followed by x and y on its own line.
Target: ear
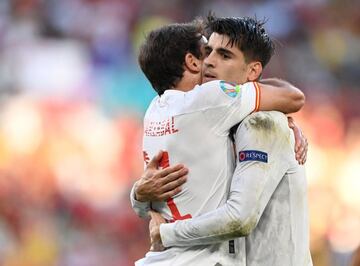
pixel 254 71
pixel 192 63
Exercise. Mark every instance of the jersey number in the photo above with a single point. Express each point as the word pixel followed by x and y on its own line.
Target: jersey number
pixel 164 163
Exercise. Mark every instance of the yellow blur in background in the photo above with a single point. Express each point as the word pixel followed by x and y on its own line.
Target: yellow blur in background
pixel 72 100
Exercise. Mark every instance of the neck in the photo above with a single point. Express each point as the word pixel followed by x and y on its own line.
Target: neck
pixel 188 82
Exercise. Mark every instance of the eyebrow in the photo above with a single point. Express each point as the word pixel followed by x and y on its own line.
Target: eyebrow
pixel 224 51
pixel 220 50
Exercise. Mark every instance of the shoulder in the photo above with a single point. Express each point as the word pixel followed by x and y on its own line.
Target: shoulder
pixel 266 131
pixel 226 88
pixel 151 106
pixel 219 92
pixel 208 88
pixel 208 95
pixel 266 121
pixel 271 126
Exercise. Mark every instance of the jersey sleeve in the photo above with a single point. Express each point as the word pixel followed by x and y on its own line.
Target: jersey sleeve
pixel 140 208
pixel 264 155
pixel 226 104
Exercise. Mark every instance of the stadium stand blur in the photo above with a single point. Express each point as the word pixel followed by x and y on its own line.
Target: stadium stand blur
pixel 72 100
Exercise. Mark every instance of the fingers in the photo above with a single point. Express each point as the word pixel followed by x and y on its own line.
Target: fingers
pixel 174 184
pixel 172 174
pixel 301 144
pixel 171 169
pixel 291 122
pixel 299 147
pixel 298 139
pixel 169 194
pixel 304 155
pixel 297 134
pixel 170 189
pixel 301 155
pixel 155 184
pixel 171 182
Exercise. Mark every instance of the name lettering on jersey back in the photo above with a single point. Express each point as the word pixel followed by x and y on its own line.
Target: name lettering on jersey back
pixel 160 128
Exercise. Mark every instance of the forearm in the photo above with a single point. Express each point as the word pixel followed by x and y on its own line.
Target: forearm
pixel 237 217
pixel 275 82
pixel 222 224
pixel 280 95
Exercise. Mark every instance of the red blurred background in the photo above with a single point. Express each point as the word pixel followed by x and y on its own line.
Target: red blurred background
pixel 72 100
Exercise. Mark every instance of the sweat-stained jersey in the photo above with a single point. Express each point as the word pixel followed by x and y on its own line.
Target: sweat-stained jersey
pixel 267 203
pixel 193 129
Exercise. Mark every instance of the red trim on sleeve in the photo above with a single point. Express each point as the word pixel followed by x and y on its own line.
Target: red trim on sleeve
pixel 257 98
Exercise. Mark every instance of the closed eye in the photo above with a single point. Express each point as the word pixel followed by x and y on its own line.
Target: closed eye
pixel 208 50
pixel 225 56
pixel 224 53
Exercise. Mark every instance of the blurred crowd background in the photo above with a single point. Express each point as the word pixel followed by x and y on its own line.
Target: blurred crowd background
pixel 72 98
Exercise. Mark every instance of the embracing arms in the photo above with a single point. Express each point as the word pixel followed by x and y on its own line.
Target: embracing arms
pixel 262 163
pixel 280 95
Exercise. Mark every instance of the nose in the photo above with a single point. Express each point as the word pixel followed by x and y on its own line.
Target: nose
pixel 209 60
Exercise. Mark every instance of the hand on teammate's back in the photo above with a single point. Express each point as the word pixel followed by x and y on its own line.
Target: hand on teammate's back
pixel 301 143
pixel 160 184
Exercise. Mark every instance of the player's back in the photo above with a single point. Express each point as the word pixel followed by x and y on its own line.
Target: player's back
pixel 281 236
pixel 187 137
pixel 192 128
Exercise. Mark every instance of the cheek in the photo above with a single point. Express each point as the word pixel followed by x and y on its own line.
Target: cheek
pixel 234 73
pixel 241 73
pixel 227 69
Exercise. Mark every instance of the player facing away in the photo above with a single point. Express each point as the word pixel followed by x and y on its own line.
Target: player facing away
pixel 267 199
pixel 191 124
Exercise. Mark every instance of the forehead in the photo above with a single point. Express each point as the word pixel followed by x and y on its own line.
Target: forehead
pixel 217 40
pixel 220 42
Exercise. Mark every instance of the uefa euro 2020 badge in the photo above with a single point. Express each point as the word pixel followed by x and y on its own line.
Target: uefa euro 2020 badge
pixel 231 90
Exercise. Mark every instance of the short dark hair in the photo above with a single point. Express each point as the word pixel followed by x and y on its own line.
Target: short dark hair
pixel 248 34
pixel 162 55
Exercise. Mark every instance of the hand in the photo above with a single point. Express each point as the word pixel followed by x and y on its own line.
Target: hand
pixel 159 185
pixel 154 229
pixel 301 143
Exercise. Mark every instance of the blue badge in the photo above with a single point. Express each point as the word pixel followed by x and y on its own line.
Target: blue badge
pixel 253 155
pixel 231 90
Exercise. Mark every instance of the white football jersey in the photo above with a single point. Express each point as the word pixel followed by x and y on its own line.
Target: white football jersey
pixel 267 201
pixel 193 129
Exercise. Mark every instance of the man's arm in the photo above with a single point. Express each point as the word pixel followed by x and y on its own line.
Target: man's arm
pixel 264 151
pixel 226 104
pixel 280 95
pixel 159 185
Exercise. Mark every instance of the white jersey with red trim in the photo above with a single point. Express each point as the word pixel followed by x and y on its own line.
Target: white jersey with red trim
pixel 193 129
pixel 267 201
